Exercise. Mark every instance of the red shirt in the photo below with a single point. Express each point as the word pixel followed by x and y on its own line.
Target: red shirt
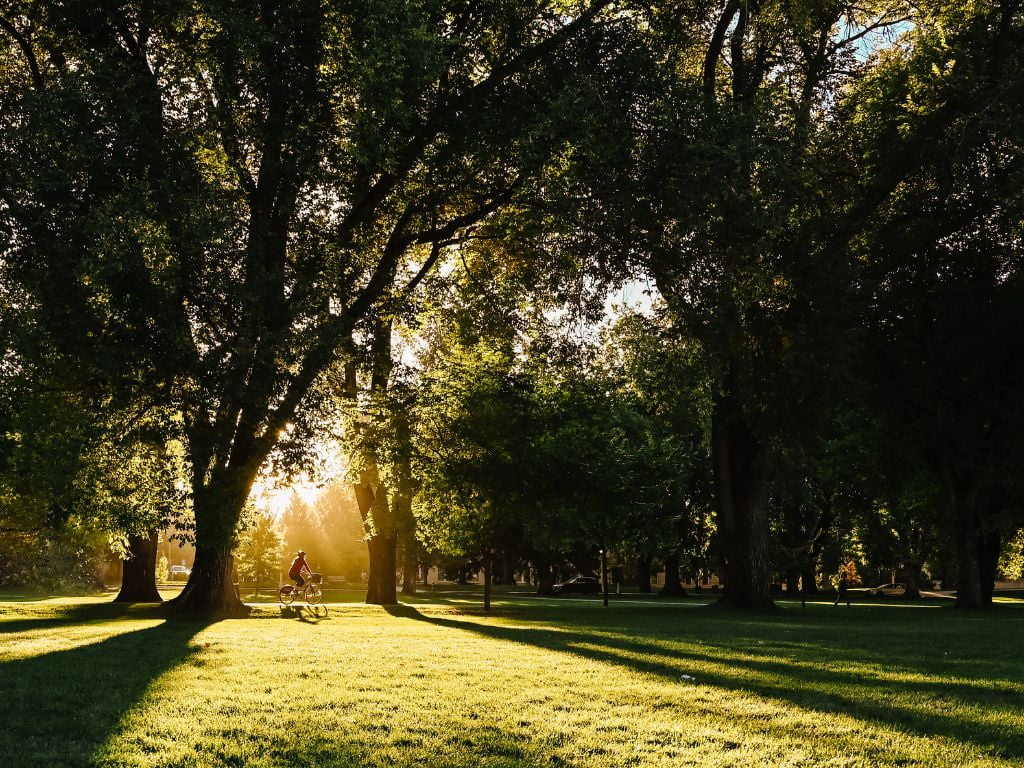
pixel 297 565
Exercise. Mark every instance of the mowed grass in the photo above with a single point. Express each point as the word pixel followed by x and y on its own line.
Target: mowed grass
pixel 536 683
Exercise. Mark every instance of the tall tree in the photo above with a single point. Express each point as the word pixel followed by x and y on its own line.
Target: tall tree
pixel 207 202
pixel 744 269
pixel 943 286
pixel 661 374
pixel 724 198
pixel 381 474
pixel 472 456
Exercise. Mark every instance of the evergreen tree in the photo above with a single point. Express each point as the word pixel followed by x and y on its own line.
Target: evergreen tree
pixel 259 550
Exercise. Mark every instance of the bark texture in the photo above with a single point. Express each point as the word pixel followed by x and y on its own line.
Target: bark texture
pixel 381 588
pixel 742 498
pixel 381 542
pixel 410 567
pixel 210 589
pixel 969 593
pixel 138 581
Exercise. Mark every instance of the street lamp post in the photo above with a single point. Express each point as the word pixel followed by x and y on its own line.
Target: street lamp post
pixel 604 575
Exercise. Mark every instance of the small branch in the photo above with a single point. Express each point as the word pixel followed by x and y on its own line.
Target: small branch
pixel 26 531
pixel 461 222
pixel 428 264
pixel 882 23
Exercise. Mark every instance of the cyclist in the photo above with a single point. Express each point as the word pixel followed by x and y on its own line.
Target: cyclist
pixel 300 569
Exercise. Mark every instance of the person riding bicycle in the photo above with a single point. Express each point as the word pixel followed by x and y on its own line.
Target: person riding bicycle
pixel 300 568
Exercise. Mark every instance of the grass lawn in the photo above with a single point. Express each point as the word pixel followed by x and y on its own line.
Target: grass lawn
pixel 538 683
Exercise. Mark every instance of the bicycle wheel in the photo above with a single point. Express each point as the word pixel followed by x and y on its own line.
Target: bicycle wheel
pixel 314 594
pixel 286 594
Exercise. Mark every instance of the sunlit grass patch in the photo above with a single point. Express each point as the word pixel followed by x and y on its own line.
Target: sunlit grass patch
pixel 544 683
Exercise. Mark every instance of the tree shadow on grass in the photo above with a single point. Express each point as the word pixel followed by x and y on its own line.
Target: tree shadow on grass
pixel 59 707
pixel 24 596
pixel 77 614
pixel 808 686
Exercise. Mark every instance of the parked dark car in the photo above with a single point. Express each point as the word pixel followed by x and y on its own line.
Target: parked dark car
pixel 584 585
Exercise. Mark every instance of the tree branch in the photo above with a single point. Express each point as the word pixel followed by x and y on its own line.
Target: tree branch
pixel 26 49
pixel 715 47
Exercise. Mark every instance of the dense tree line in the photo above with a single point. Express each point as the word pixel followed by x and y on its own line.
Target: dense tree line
pixel 231 228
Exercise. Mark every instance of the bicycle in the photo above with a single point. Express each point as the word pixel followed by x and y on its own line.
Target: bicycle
pixel 311 591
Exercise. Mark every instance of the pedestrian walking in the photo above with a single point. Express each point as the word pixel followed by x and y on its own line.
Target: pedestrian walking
pixel 843 591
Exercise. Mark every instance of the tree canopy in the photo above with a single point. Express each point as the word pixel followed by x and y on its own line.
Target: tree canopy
pixel 230 229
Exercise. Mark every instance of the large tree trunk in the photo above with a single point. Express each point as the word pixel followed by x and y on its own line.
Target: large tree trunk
pixel 809 578
pixel 138 580
pixel 969 592
pixel 643 573
pixel 988 557
pixel 382 539
pixel 742 497
pixel 379 513
pixel 673 586
pixel 210 589
pixel 809 570
pixel 410 567
pixel 966 505
pixel 968 580
pixel 969 595
pixel 381 588
pixel 910 575
pixel 508 569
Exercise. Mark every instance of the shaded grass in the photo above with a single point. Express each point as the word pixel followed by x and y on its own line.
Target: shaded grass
pixel 539 683
pixel 69 671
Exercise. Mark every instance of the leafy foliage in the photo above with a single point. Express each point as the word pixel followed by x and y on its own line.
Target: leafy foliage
pixel 258 556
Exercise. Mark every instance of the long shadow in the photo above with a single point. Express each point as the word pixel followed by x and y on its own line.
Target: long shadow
pixel 59 708
pixel 76 614
pixel 876 637
pixel 812 689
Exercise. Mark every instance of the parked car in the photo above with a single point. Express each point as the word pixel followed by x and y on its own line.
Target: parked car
pixel 888 589
pixel 586 585
pixel 178 573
